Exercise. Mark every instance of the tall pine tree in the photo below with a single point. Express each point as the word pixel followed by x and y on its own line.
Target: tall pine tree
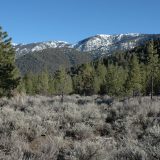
pixel 63 82
pixel 115 79
pixel 153 65
pixel 9 78
pixel 84 81
pixel 134 79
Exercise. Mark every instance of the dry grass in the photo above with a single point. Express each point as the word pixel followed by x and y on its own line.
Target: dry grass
pixel 81 128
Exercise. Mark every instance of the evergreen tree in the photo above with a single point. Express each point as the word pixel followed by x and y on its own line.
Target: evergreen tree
pixel 43 82
pixel 143 78
pixel 63 82
pixel 99 78
pixel 28 83
pixel 115 80
pixel 153 65
pixel 51 85
pixel 84 81
pixel 9 78
pixel 134 79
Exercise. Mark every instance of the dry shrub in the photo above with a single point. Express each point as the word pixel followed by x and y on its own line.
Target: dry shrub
pixel 80 128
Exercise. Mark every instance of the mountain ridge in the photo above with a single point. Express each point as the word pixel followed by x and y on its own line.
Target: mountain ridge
pixel 98 44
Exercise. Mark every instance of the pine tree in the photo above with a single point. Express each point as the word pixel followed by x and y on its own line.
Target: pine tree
pixel 134 79
pixel 153 65
pixel 51 85
pixel 43 82
pixel 99 78
pixel 84 81
pixel 63 82
pixel 143 78
pixel 28 83
pixel 115 80
pixel 9 78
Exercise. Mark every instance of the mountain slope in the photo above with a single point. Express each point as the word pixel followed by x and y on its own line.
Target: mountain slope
pixel 51 59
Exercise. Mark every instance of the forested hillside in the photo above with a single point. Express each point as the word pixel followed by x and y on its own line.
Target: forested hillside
pixel 51 59
pixel 134 72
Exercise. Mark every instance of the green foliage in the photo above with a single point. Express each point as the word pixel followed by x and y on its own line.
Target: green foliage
pixel 144 82
pixel 152 60
pixel 43 82
pixel 134 79
pixel 9 79
pixel 28 83
pixel 47 84
pixel 51 85
pixel 115 80
pixel 84 80
pixel 99 78
pixel 63 82
pixel 152 65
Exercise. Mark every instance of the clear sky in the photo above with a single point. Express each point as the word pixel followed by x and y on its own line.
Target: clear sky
pixel 72 20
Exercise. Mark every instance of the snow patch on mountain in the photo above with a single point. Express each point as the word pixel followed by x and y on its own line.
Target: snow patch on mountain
pixel 22 49
pixel 105 41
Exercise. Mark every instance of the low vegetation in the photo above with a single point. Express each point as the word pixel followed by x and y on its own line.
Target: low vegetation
pixel 80 128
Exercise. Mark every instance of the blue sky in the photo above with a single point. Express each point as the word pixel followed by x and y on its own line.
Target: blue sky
pixel 72 20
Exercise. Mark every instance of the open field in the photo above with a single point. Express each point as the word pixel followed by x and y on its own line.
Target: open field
pixel 80 128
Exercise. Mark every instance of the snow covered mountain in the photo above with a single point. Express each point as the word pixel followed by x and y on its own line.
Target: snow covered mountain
pixel 99 44
pixel 107 42
pixel 22 49
pixel 104 44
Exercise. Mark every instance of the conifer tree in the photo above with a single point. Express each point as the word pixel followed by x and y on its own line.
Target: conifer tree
pixel 153 65
pixel 99 78
pixel 9 78
pixel 84 81
pixel 63 82
pixel 51 85
pixel 115 80
pixel 28 83
pixel 134 79
pixel 43 82
pixel 143 78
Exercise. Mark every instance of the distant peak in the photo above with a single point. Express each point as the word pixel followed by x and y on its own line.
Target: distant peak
pixel 103 35
pixel 130 34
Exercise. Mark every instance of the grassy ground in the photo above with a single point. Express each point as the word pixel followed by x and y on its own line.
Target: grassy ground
pixel 81 128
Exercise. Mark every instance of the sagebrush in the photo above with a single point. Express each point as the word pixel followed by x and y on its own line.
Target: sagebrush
pixel 80 128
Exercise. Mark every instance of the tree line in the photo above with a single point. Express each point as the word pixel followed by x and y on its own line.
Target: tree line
pixel 130 73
